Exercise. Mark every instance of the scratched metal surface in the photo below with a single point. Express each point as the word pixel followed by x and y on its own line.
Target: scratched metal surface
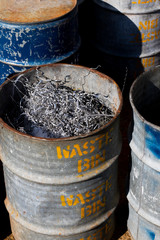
pixel 69 182
pixel 33 44
pixel 144 192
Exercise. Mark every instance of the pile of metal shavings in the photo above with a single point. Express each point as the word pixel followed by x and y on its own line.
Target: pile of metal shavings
pixel 50 109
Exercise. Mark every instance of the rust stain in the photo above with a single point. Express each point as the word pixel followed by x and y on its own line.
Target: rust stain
pixel 9 238
pixel 29 11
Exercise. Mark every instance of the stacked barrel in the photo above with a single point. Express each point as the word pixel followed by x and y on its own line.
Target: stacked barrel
pixel 126 35
pixel 34 33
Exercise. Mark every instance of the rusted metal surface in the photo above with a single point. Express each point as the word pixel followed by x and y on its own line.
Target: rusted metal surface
pixel 10 238
pixel 28 11
pixel 33 44
pixel 69 182
pixel 144 193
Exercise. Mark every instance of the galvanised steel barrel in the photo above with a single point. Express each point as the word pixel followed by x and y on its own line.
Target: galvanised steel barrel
pixel 127 69
pixel 130 6
pixel 144 190
pixel 125 31
pixel 34 33
pixel 62 188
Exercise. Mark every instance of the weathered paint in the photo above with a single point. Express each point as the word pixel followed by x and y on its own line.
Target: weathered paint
pixel 146 230
pixel 58 207
pixel 102 232
pixel 126 35
pixel 28 45
pixel 9 69
pixel 144 192
pixel 153 141
pixel 69 182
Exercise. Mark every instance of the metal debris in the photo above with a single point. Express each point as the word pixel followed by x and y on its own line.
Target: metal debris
pixel 51 109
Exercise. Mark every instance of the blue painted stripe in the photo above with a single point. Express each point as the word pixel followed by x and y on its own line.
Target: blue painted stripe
pixel 152 140
pixel 151 234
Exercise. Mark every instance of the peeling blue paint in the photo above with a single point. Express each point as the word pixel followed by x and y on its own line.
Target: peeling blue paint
pixel 28 45
pixel 151 234
pixel 153 140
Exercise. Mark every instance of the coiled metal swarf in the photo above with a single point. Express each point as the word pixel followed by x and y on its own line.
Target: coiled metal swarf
pixel 51 109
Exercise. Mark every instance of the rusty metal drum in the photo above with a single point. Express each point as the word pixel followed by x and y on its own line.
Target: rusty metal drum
pixel 34 33
pixel 127 35
pixel 144 190
pixel 126 32
pixel 62 188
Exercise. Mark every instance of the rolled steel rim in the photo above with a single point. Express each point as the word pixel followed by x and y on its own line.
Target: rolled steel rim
pixel 43 21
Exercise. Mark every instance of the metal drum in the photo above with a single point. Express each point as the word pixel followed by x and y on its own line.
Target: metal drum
pixel 126 31
pixel 62 188
pixel 144 192
pixel 35 34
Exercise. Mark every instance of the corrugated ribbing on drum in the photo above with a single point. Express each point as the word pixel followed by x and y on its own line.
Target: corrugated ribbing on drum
pixel 29 44
pixel 63 188
pixel 144 192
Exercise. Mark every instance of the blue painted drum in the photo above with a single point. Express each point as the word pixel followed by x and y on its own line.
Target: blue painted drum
pixel 144 192
pixel 28 44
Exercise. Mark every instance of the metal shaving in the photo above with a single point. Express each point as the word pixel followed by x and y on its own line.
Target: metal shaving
pixel 53 110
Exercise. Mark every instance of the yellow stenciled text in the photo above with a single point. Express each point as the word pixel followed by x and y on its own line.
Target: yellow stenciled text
pixel 149 31
pixel 91 201
pixel 144 1
pixel 87 148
